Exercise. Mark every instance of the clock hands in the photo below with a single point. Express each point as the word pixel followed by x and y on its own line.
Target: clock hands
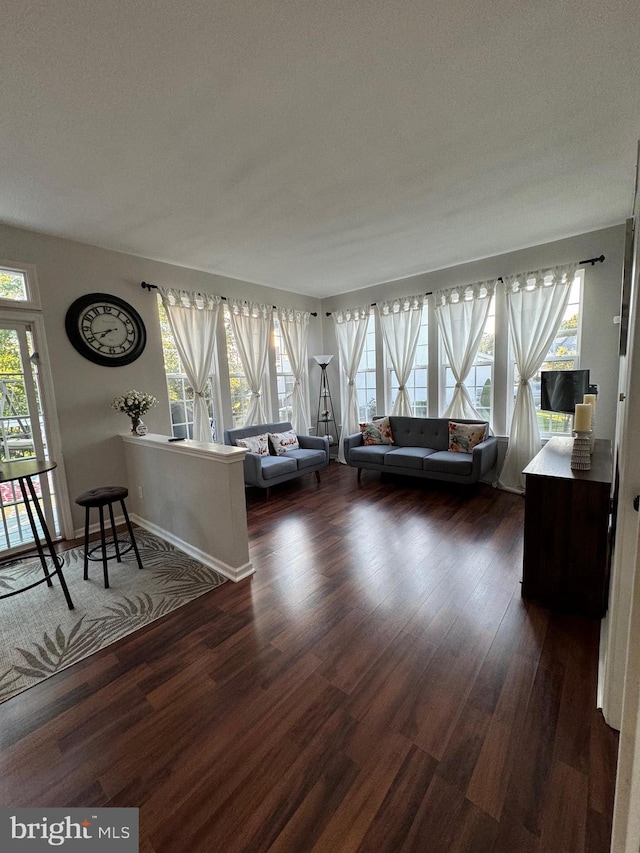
pixel 106 332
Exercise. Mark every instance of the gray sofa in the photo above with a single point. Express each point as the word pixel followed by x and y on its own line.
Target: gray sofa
pixel 267 471
pixel 420 449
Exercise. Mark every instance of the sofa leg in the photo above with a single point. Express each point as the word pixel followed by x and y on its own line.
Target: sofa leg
pixel 317 473
pixel 267 492
pixel 359 473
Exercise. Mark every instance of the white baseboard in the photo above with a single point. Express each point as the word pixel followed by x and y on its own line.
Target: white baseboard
pixel 95 527
pixel 234 574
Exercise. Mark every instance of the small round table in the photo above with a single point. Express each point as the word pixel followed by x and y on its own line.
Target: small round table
pixel 23 471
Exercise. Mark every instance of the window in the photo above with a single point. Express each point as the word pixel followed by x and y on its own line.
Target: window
pixel 479 380
pixel 178 387
pixel 285 379
pixel 366 375
pixel 417 382
pixel 238 383
pixel 18 285
pixel 563 354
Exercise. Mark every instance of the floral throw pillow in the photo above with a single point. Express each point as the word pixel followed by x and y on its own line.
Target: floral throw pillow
pixel 283 441
pixel 464 437
pixel 377 432
pixel 255 444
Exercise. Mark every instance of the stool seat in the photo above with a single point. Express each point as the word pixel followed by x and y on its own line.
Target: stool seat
pixel 102 496
pixel 99 498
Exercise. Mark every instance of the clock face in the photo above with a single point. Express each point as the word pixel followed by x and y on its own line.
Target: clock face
pixel 105 329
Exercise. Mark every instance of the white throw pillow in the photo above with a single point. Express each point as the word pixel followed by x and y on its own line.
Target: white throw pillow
pixel 283 441
pixel 255 444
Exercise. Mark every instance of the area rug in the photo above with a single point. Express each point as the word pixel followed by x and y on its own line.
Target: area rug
pixel 40 636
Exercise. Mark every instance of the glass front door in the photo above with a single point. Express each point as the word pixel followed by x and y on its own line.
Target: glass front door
pixel 22 433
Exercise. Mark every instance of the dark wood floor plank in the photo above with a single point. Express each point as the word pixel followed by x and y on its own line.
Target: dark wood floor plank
pixel 378 684
pixel 564 819
pixel 528 785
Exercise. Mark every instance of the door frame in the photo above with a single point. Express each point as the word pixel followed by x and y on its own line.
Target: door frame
pixel 49 410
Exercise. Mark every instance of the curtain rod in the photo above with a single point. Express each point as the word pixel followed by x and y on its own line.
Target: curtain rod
pixel 592 261
pixel 146 286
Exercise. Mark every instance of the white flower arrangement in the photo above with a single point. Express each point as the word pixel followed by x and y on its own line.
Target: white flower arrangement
pixel 134 403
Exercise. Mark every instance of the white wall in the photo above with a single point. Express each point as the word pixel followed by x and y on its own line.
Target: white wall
pixel 89 428
pixel 601 303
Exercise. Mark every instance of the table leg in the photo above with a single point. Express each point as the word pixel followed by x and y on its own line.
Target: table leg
pixel 43 524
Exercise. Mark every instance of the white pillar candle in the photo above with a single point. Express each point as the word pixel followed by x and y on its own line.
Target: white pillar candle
pixel 592 399
pixel 582 418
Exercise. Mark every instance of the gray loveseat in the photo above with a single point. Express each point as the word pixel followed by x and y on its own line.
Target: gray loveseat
pixel 267 471
pixel 420 449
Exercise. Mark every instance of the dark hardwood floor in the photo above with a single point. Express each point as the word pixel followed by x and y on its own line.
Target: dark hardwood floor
pixel 378 685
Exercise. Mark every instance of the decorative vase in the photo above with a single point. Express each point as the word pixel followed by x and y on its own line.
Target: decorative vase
pixel 135 423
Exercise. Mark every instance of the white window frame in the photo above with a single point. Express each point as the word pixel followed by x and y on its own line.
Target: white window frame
pixel 278 352
pixel 578 280
pixel 391 380
pixel 443 364
pixel 212 396
pixel 372 333
pixel 32 301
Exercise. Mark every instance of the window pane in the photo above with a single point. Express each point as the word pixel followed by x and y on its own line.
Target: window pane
pixel 13 285
pixel 479 380
pixel 366 376
pixel 563 354
pixel 238 384
pixel 417 381
pixel 180 392
pixel 284 375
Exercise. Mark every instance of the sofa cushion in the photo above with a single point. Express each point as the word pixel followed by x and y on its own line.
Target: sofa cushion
pixel 305 458
pixel 444 462
pixel 255 444
pixel 464 437
pixel 373 453
pixel 275 466
pixel 282 442
pixel 408 457
pixel 377 432
pixel 420 432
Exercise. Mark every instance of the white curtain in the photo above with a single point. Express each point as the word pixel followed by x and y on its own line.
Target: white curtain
pixel 251 324
pixel 400 324
pixel 535 303
pixel 461 314
pixel 193 318
pixel 294 326
pixel 351 333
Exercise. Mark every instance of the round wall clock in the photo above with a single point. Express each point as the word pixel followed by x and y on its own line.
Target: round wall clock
pixel 105 329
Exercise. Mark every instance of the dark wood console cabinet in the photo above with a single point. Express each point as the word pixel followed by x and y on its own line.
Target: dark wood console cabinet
pixel 566 529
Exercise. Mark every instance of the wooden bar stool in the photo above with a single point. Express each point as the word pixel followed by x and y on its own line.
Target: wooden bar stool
pixel 101 497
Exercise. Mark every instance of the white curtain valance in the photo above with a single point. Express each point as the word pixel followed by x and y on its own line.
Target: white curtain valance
pixel 466 293
pixel 256 310
pixel 174 297
pixel 292 315
pixel 348 315
pixel 530 281
pixel 401 305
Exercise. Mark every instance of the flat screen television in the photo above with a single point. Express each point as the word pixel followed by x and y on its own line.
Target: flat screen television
pixel 560 390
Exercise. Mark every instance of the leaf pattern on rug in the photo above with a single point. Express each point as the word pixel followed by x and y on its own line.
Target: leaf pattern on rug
pixel 171 577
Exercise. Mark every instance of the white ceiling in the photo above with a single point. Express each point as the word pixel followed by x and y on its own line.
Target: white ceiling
pixel 320 146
